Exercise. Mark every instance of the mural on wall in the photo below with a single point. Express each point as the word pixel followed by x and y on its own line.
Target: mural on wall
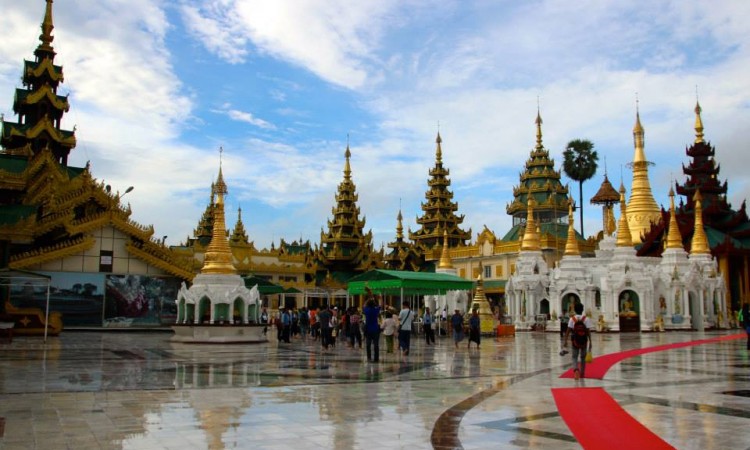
pixel 140 300
pixel 77 296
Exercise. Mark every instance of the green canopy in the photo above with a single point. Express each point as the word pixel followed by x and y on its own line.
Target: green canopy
pixel 401 282
pixel 265 287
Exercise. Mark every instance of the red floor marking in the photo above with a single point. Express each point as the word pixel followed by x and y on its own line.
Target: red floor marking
pixel 598 422
pixel 601 364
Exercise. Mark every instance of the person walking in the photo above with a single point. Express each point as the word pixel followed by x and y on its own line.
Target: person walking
pixel 355 330
pixel 429 333
pixel 324 320
pixel 389 329
pixel 579 328
pixel 304 323
pixel 372 330
pixel 286 325
pixel 405 319
pixel 474 328
pixel 457 324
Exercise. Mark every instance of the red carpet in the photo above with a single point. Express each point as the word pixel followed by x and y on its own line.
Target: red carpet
pixel 598 422
pixel 601 364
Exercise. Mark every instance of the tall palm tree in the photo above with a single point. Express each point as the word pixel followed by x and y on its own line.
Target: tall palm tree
pixel 579 164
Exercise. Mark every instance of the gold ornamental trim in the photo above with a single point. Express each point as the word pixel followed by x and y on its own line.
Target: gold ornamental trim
pixel 51 253
pixel 158 256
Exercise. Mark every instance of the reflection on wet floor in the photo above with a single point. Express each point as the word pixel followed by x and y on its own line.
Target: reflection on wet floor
pixel 136 390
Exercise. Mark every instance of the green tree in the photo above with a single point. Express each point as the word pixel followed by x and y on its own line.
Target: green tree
pixel 579 164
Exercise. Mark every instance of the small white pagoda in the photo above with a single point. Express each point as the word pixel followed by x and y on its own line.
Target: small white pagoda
pixel 218 308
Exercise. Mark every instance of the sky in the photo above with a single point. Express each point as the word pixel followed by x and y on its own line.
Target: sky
pixel 157 87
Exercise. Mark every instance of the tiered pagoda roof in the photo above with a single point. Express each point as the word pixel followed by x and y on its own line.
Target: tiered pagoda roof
pixel 39 108
pixel 727 230
pixel 239 235
pixel 49 210
pixel 345 249
pixel 439 211
pixel 541 181
pixel 403 256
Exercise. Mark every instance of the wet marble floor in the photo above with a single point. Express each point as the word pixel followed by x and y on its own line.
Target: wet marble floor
pixel 137 390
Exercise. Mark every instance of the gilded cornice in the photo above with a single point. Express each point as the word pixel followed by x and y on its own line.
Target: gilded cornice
pixel 58 101
pixel 45 124
pixel 12 181
pixel 36 70
pixel 160 257
pixel 50 253
pixel 21 231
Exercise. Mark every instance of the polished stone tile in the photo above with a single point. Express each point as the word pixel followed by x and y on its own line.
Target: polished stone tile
pixel 137 390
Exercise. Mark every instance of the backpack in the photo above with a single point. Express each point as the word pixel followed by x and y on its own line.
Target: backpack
pixel 580 332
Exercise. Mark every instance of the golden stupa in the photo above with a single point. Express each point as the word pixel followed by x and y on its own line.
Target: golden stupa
pixel 642 208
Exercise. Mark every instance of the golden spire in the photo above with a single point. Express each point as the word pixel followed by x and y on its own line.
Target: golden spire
pixel 699 244
pixel 438 150
pixel 445 259
pixel 399 226
pixel 531 235
pixel 642 208
pixel 623 229
pixel 538 121
pixel 47 27
pixel 674 238
pixel 347 166
pixel 571 245
pixel 218 257
pixel 698 123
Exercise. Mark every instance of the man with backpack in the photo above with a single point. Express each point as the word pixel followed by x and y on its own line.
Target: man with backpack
pixel 579 328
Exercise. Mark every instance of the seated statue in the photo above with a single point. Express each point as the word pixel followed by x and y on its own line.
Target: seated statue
pixel 659 323
pixel 601 325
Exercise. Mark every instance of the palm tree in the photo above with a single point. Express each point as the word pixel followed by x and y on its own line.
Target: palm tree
pixel 579 164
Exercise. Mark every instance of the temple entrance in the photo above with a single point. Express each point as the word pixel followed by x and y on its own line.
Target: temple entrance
pixel 544 308
pixel 629 311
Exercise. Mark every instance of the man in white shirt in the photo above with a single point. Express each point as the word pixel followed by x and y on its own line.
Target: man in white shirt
pixel 405 318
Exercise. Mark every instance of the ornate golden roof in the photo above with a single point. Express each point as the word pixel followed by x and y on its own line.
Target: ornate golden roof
pixel 439 210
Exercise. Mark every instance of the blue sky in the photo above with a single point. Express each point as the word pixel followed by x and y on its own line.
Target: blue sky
pixel 157 86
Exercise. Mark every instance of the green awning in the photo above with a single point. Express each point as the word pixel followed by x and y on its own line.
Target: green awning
pixel 265 287
pixel 396 281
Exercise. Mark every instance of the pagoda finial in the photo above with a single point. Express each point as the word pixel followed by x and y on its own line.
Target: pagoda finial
pixel 698 123
pixel 623 230
pixel 439 149
pixel 445 259
pixel 699 244
pixel 571 245
pixel 220 186
pixel 530 235
pixel 538 122
pixel 674 238
pixel 638 135
pixel 46 37
pixel 347 166
pixel 399 226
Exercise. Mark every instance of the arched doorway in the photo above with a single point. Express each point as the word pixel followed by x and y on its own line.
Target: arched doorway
pixel 567 308
pixel 629 311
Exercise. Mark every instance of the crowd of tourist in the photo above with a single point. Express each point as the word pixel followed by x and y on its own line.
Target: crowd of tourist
pixel 355 329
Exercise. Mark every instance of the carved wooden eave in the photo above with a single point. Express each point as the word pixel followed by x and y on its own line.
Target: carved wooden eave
pixel 21 231
pixel 45 254
pixel 46 65
pixel 57 101
pixel 275 268
pixel 46 125
pixel 12 181
pixel 160 257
